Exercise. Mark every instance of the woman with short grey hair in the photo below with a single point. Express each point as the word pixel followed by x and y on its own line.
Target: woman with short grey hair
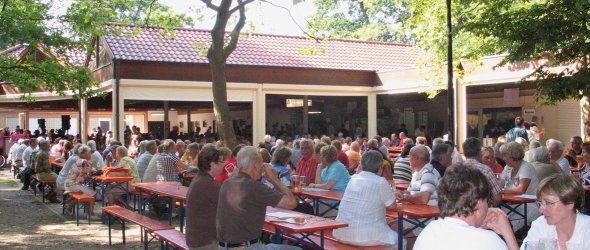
pixel 331 174
pixel 520 176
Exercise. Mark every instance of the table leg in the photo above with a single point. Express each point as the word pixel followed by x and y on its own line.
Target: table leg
pixel 181 216
pixel 127 193
pixel 140 202
pixel 525 214
pixel 171 206
pixel 400 229
pixel 316 206
pixel 102 191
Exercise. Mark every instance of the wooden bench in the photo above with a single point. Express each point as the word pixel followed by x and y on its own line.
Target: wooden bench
pixel 43 184
pixel 329 241
pixel 172 238
pixel 147 224
pixel 79 197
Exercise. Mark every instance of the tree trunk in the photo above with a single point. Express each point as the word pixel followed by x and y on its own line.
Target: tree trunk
pixel 220 105
pixel 586 117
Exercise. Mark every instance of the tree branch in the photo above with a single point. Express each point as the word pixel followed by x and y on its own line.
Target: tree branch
pixel 4 5
pixel 149 13
pixel 293 19
pixel 240 6
pixel 235 33
pixel 210 5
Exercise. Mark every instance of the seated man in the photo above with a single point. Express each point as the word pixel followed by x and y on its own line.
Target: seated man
pixel 363 206
pixel 425 179
pixel 243 200
pixel 464 197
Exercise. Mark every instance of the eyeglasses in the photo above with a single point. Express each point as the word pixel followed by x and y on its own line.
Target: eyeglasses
pixel 546 204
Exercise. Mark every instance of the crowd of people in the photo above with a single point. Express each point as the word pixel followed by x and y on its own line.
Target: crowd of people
pixel 241 182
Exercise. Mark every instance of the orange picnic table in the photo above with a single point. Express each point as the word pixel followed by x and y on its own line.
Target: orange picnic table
pixel 329 198
pixel 512 202
pixel 301 231
pixel 111 182
pixel 415 214
pixel 171 190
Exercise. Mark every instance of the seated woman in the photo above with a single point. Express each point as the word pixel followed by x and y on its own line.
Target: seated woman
pixel 331 174
pixel 488 158
pixel 561 199
pixel 520 177
pixel 43 169
pixel 519 174
pixel 280 161
pixel 114 196
pixel 79 175
pixel 401 169
pixel 363 206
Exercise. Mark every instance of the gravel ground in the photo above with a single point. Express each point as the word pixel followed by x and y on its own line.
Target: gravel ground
pixel 27 223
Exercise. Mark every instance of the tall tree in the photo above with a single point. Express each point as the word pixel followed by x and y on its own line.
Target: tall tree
pixel 220 49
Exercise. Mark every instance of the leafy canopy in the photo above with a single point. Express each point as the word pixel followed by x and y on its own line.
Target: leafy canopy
pixel 555 33
pixel 64 35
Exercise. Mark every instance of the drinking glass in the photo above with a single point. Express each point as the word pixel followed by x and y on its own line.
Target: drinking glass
pixel 548 244
pixel 295 181
pixel 532 245
pixel 302 182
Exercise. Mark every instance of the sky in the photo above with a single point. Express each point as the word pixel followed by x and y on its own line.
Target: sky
pixel 266 18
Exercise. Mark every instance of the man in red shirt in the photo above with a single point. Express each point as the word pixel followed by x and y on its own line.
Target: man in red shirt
pixel 307 164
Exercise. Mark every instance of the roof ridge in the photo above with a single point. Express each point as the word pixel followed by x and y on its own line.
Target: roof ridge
pixel 273 35
pixel 13 48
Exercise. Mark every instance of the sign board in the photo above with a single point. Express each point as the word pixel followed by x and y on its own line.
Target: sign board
pixel 295 103
pixel 528 112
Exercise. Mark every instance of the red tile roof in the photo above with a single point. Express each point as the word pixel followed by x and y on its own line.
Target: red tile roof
pixel 15 50
pixel 75 57
pixel 262 50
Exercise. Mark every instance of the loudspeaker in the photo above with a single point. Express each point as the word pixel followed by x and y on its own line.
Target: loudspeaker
pixel 65 122
pixel 41 123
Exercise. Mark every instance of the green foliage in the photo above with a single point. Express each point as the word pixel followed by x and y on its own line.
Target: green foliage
pixel 549 33
pixel 378 20
pixel 64 35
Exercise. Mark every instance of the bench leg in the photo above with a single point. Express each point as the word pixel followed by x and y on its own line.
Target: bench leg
pixel 89 212
pixel 145 241
pixel 109 223
pixel 77 213
pixel 42 192
pixel 123 230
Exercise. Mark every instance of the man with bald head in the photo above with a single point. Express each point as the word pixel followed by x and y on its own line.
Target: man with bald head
pixel 243 200
pixel 425 179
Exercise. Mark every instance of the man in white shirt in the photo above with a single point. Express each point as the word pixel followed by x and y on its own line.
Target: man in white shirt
pixel 28 161
pixel 425 179
pixel 555 148
pixel 363 206
pixel 464 193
